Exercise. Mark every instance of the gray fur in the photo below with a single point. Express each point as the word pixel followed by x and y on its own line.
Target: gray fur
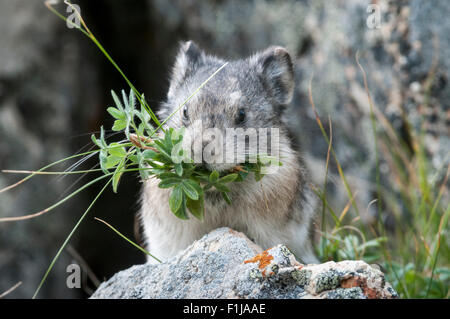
pixel 277 210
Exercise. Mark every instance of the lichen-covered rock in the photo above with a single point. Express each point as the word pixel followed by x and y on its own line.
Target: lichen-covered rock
pixel 226 264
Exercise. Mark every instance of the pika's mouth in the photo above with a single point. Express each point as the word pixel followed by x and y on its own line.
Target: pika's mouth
pixel 222 169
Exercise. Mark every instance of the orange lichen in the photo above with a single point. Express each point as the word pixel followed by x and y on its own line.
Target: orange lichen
pixel 357 281
pixel 350 282
pixel 263 258
pixel 371 293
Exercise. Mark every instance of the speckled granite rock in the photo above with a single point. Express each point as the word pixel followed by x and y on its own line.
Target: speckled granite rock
pixel 226 264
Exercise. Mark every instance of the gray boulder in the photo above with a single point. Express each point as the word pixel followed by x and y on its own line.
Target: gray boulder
pixel 226 264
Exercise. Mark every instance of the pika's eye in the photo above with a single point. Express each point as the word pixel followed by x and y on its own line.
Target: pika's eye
pixel 240 116
pixel 185 113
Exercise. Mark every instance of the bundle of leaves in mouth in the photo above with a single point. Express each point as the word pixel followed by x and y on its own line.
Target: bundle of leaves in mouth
pixel 154 157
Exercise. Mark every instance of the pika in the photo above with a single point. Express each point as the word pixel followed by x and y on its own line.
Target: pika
pixel 247 93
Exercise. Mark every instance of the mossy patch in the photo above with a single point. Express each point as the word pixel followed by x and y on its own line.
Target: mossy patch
pixel 302 277
pixel 327 280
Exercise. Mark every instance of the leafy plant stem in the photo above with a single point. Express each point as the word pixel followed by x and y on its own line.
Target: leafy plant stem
pixel 91 36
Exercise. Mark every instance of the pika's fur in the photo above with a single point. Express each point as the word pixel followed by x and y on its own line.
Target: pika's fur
pixel 277 209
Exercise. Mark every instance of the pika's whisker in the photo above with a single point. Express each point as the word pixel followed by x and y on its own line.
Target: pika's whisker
pixel 71 186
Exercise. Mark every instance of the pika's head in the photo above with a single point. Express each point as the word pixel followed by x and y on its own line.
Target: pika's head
pixel 250 93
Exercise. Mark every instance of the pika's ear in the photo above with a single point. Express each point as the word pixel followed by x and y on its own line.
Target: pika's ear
pixel 188 59
pixel 276 71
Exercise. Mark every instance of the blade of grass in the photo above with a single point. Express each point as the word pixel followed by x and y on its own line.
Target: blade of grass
pixel 375 138
pixel 442 224
pixel 436 203
pixel 68 239
pixel 381 227
pixel 344 211
pixel 12 171
pixel 127 239
pixel 10 290
pixel 43 169
pixel 321 196
pixel 324 192
pixel 34 215
pixel 91 36
pixel 398 150
pixel 327 139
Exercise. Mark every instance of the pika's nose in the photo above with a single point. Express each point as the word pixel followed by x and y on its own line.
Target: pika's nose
pixel 213 120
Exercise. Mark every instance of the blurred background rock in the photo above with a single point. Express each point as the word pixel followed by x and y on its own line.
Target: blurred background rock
pixel 55 84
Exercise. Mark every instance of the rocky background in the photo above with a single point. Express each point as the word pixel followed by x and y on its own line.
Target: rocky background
pixel 54 90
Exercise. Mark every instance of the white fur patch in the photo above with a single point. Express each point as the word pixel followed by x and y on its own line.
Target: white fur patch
pixel 235 97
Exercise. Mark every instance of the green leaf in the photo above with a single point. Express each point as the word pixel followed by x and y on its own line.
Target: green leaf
pixel 189 189
pixel 116 179
pixel 96 142
pixel 214 176
pixel 179 169
pixel 117 174
pixel 155 171
pixel 196 207
pixel 176 199
pixel 102 142
pixel 132 99
pixel 177 135
pixel 189 168
pixel 160 145
pixel 182 212
pixel 119 125
pixel 169 182
pixel 116 113
pixel 202 177
pixel 165 157
pixel 116 100
pixel 125 102
pixel 222 188
pixel 207 186
pixel 144 116
pixel 228 178
pixel 168 140
pixel 196 185
pixel 112 161
pixel 168 175
pixel 156 165
pixel 150 154
pixel 177 203
pixel 117 150
pixel 141 128
pixel 226 197
pixel 103 159
pixel 144 172
pixel 133 159
pixel 258 176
